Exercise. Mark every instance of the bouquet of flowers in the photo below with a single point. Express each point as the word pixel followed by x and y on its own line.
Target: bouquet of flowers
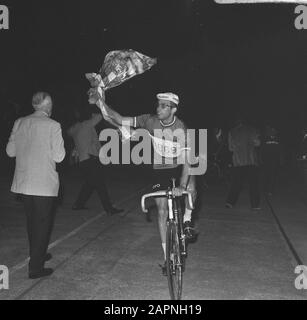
pixel 118 67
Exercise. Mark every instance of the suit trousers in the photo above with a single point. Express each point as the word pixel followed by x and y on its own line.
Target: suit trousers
pixel 40 218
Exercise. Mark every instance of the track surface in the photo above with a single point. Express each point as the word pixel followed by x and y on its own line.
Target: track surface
pixel 239 254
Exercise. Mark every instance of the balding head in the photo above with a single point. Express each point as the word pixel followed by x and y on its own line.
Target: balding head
pixel 42 101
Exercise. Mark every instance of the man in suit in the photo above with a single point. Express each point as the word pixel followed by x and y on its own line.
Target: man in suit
pixel 37 144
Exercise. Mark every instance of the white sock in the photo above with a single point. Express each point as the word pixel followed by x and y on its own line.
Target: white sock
pixel 164 249
pixel 187 215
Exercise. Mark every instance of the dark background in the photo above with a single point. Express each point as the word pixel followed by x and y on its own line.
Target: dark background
pixel 218 58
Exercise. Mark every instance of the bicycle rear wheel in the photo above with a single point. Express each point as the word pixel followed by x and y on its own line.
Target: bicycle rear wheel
pixel 173 261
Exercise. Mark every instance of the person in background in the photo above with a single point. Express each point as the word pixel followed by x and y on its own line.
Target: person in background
pixel 242 142
pixel 271 156
pixel 86 152
pixel 37 144
pixel 222 154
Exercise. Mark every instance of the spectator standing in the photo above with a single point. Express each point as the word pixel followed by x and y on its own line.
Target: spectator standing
pixel 86 152
pixel 37 144
pixel 271 157
pixel 242 142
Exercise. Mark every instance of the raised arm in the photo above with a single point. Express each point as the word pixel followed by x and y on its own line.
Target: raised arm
pixel 112 116
pixel 96 119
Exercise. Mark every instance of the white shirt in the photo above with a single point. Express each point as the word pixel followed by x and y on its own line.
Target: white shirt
pixel 37 143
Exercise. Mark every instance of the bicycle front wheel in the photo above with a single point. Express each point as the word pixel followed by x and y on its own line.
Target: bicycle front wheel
pixel 173 261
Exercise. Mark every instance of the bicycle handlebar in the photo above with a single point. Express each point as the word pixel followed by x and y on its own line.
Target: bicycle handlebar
pixel 165 193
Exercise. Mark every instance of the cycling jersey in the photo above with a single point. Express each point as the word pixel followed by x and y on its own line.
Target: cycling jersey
pixel 168 147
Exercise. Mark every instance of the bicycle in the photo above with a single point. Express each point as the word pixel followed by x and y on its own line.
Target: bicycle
pixel 176 247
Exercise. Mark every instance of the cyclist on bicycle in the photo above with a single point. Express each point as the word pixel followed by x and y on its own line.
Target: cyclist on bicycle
pixel 164 121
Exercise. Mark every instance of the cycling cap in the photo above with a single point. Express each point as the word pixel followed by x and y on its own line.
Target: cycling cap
pixel 169 97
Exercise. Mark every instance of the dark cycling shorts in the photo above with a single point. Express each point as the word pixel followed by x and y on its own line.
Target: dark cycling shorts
pixel 163 178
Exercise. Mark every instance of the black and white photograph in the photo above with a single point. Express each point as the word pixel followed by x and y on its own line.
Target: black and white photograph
pixel 152 151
